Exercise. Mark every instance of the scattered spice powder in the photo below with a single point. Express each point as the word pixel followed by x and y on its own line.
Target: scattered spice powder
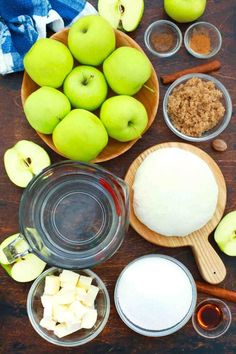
pixel 162 42
pixel 195 107
pixel 200 42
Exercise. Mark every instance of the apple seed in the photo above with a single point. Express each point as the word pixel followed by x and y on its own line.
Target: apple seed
pixel 27 162
pixel 122 9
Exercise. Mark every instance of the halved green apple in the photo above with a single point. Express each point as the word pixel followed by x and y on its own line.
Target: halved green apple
pixel 25 160
pixel 24 269
pixel 225 234
pixel 124 14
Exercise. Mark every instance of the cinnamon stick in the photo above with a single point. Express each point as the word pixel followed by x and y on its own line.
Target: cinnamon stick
pixel 204 68
pixel 221 293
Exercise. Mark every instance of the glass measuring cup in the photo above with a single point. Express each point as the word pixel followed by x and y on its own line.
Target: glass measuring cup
pixel 72 215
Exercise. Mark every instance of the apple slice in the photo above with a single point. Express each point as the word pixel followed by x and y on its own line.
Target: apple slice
pixel 125 14
pixel 21 247
pixel 24 160
pixel 24 269
pixel 225 234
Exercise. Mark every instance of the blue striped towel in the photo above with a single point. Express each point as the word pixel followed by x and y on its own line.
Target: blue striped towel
pixel 22 22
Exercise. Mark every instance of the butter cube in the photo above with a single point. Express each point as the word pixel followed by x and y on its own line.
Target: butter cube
pixel 48 312
pixel 48 324
pixel 68 279
pixel 84 282
pixel 89 319
pixel 91 295
pixel 78 309
pixel 52 285
pixel 70 318
pixel 80 294
pixel 47 300
pixel 62 330
pixel 65 296
pixel 69 286
pixel 59 312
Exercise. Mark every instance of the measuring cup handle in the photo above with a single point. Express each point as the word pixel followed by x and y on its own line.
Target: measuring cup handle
pixel 125 189
pixel 11 252
pixel 209 263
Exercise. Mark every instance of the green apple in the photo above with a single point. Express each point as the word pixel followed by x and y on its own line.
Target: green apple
pixel 124 14
pixel 225 234
pixel 80 135
pixel 45 107
pixel 24 160
pixel 85 87
pixel 126 70
pixel 91 39
pixel 48 62
pixel 184 10
pixel 124 117
pixel 24 269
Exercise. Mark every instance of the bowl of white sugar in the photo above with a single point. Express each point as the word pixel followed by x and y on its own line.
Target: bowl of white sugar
pixel 155 295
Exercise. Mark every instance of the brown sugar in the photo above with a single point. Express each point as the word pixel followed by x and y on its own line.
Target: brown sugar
pixel 162 42
pixel 200 42
pixel 195 107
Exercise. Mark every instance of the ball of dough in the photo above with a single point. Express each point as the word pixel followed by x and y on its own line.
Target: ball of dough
pixel 175 192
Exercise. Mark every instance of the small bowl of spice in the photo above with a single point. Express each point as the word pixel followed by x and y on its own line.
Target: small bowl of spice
pixel 202 40
pixel 197 107
pixel 163 38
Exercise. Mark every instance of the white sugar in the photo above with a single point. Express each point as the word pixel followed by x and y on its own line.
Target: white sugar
pixel 154 293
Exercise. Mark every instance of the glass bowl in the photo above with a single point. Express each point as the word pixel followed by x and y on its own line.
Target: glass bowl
pixel 163 27
pixel 35 311
pixel 212 133
pixel 223 322
pixel 74 215
pixel 204 28
pixel 133 316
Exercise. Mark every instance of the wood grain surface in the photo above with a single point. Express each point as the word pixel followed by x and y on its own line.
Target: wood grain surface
pixel 16 333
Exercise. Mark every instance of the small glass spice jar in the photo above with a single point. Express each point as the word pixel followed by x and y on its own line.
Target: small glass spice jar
pixel 163 38
pixel 211 318
pixel 202 40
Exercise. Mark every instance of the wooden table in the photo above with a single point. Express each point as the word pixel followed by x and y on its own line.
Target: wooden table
pixel 16 333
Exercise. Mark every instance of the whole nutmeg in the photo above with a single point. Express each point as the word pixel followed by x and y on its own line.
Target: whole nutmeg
pixel 219 145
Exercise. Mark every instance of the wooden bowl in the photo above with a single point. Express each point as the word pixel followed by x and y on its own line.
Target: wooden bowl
pixel 149 99
pixel 209 263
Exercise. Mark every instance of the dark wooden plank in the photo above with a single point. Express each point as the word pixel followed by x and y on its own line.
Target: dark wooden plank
pixel 16 333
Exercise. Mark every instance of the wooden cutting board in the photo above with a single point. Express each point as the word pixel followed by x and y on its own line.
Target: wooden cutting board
pixel 209 263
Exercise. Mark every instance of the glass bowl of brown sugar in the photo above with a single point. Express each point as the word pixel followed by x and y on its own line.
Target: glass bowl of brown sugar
pixel 197 107
pixel 163 38
pixel 202 40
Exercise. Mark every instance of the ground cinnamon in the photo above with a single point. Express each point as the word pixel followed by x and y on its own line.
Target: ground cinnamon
pixel 200 42
pixel 162 42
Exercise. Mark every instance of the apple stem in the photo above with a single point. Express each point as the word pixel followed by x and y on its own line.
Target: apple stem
pixel 86 80
pixel 149 88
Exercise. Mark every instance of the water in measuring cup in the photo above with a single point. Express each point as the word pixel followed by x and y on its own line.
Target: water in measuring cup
pixel 75 214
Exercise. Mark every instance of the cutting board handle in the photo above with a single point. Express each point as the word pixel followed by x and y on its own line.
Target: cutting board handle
pixel 209 263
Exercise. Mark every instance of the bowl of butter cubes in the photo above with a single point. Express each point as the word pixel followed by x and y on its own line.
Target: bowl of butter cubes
pixel 68 308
